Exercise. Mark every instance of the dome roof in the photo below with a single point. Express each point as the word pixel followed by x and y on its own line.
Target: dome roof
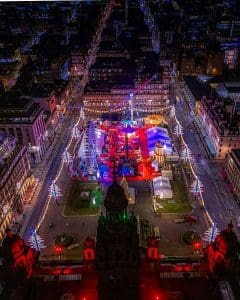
pixel 116 200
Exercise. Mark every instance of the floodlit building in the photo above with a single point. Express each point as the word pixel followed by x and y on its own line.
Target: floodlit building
pixel 14 180
pixel 23 119
pixel 233 170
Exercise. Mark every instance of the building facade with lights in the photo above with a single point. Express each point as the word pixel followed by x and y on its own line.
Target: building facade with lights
pixel 219 132
pixel 24 119
pixel 14 180
pixel 148 97
pixel 233 171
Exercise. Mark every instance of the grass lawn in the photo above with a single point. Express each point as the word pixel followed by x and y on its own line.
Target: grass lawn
pixel 180 196
pixel 83 199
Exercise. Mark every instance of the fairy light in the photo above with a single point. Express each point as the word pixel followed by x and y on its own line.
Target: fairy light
pixel 76 132
pixel 212 232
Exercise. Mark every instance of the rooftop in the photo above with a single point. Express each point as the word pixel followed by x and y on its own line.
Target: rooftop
pixel 198 89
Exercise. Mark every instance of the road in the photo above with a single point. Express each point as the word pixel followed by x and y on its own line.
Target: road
pixel 219 202
pixel 48 178
pixel 55 160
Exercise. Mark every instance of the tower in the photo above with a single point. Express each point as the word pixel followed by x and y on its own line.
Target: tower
pixel 117 248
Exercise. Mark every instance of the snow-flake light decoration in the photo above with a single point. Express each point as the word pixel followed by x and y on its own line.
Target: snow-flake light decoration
pixel 67 157
pixel 186 154
pixel 36 242
pixel 76 132
pixel 196 187
pixel 178 130
pixel 54 191
pixel 211 233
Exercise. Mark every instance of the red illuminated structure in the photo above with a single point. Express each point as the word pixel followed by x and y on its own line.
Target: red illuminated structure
pixel 222 254
pixel 17 255
pixel 152 250
pixel 89 249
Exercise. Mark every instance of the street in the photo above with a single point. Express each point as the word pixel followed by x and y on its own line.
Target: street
pixel 219 202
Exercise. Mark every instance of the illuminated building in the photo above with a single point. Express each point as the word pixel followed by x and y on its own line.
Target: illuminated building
pixel 232 168
pixel 217 128
pixel 22 118
pixel 14 181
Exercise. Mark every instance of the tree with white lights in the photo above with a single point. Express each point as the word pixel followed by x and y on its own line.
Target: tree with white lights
pixel 76 132
pixel 196 187
pixel 67 157
pixel 211 233
pixel 172 112
pixel 36 242
pixel 178 130
pixel 186 154
pixel 54 191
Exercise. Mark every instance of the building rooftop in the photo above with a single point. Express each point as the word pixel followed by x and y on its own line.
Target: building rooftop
pixel 15 108
pixel 198 89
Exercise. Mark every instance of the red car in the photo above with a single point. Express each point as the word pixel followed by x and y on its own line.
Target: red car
pixel 190 219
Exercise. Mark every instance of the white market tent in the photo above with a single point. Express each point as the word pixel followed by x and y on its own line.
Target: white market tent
pixel 162 187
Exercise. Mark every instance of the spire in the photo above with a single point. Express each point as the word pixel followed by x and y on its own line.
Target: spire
pixel 115 201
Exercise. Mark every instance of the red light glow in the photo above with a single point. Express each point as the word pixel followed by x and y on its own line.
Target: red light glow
pixel 58 249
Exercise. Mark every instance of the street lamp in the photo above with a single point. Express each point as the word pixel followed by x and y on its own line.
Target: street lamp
pixel 75 132
pixel 67 157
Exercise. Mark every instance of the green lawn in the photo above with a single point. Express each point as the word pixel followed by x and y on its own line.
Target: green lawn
pixel 180 196
pixel 83 199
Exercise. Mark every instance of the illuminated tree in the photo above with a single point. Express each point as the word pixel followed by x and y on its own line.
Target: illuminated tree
pixel 172 112
pixel 54 191
pixel 67 157
pixel 76 132
pixel 178 130
pixel 196 187
pixel 211 233
pixel 36 242
pixel 186 154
